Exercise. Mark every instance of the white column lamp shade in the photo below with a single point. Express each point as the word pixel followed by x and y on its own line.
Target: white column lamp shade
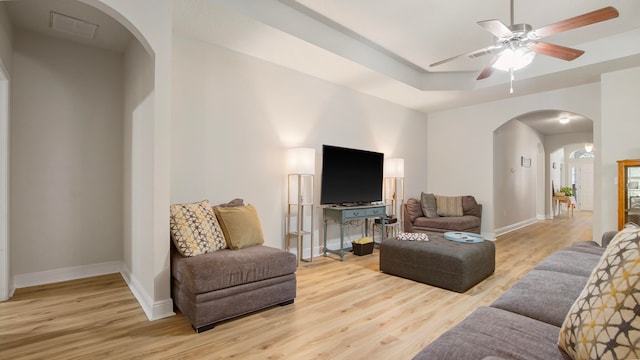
pixel 301 161
pixel 394 168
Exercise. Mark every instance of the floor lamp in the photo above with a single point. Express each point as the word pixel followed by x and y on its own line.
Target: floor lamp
pixel 394 186
pixel 301 163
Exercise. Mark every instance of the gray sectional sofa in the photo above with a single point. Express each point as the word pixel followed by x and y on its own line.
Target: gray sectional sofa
pixel 525 321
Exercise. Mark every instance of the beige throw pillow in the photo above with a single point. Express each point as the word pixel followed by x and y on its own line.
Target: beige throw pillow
pixel 604 322
pixel 241 226
pixel 449 205
pixel 194 229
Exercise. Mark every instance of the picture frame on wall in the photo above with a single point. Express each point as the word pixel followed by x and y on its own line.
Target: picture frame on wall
pixel 525 162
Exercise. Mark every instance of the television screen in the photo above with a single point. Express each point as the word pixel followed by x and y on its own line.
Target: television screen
pixel 350 175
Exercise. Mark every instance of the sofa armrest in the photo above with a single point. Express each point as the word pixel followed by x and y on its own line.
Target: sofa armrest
pixel 408 226
pixel 607 237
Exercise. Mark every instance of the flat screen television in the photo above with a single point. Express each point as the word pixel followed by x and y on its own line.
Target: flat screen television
pixel 350 176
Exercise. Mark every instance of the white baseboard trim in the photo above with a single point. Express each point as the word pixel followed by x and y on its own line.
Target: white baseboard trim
pixel 491 236
pixel 516 226
pixel 66 274
pixel 153 309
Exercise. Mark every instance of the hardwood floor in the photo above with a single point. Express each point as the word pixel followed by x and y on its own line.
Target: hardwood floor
pixel 344 310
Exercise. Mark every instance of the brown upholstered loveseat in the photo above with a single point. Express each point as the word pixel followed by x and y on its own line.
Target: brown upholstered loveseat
pixel 415 219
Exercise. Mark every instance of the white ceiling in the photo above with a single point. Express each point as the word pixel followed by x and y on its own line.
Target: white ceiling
pixel 384 48
pixel 34 15
pixel 547 122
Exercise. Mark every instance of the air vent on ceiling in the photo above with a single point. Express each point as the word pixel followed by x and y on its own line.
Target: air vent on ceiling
pixel 70 25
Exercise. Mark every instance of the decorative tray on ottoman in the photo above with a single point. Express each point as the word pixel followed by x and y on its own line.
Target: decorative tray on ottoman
pixel 463 237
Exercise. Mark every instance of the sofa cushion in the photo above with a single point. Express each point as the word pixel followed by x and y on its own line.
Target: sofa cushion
pixel 241 226
pixel 542 295
pixel 589 247
pixel 429 205
pixel 227 268
pixel 414 209
pixel 194 229
pixel 495 332
pixel 570 261
pixel 604 320
pixel 449 205
pixel 460 223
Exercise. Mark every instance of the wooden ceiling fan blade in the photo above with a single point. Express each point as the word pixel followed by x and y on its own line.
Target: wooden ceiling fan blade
pixel 593 17
pixel 497 28
pixel 488 70
pixel 471 54
pixel 556 51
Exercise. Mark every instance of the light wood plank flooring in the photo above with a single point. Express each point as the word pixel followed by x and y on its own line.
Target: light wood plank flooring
pixel 344 310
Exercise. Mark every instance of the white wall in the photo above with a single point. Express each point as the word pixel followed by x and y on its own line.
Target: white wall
pixel 557 158
pixel 6 62
pixel 150 21
pixel 66 155
pixel 138 171
pixel 619 139
pixel 512 181
pixel 6 34
pixel 462 160
pixel 234 116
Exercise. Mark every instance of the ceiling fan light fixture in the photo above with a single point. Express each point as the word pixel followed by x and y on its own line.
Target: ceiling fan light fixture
pixel 514 59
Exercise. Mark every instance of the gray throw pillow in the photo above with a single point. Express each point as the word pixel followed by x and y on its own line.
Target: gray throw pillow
pixel 429 208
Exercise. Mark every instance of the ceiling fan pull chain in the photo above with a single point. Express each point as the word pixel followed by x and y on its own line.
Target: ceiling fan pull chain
pixel 511 77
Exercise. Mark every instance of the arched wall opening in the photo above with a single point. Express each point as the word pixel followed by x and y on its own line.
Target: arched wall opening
pixel 110 163
pixel 524 171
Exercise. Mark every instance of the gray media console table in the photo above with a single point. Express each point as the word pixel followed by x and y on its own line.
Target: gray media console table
pixel 342 214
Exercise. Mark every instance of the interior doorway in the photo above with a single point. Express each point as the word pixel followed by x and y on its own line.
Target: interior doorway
pixel 582 180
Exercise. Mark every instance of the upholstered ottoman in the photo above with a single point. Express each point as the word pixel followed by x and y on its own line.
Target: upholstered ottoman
pixel 439 262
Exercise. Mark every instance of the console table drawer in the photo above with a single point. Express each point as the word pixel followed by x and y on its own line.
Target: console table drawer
pixel 360 213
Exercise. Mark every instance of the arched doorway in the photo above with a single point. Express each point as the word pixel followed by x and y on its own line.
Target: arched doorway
pixel 534 135
pixel 580 166
pixel 137 147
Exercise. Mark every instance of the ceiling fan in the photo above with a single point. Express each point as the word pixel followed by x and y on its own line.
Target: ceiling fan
pixel 519 42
